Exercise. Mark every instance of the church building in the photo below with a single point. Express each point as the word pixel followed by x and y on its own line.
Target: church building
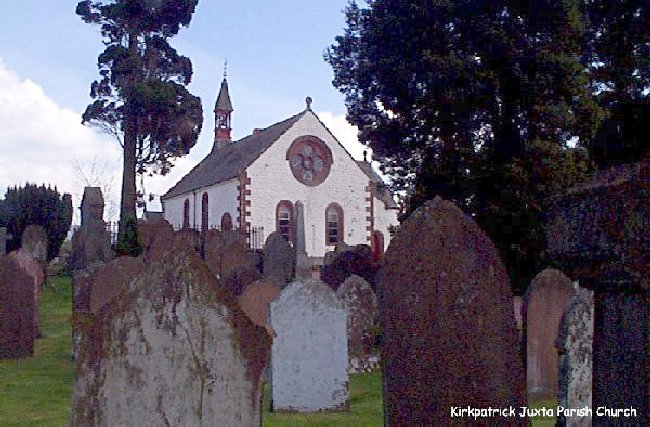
pixel 254 184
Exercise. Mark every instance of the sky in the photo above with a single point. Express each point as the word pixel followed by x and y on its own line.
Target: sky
pixel 48 59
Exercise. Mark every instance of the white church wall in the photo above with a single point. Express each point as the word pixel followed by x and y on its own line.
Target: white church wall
pixel 222 198
pixel 173 209
pixel 272 181
pixel 383 219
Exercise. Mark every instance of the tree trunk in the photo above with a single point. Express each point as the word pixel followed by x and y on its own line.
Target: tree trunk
pixel 127 242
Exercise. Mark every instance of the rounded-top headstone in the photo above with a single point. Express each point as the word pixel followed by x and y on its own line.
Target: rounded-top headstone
pixel 255 300
pixel 448 326
pixel 547 299
pixel 279 259
pixel 309 353
pixel 173 348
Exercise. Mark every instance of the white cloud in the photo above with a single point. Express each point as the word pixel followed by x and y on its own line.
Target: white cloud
pixel 345 133
pixel 40 140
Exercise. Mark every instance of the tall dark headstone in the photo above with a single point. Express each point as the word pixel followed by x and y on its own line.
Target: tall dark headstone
pixel 600 234
pixel 3 240
pixel 34 241
pixel 17 308
pixel 303 266
pixel 91 243
pixel 279 259
pixel 547 299
pixel 449 336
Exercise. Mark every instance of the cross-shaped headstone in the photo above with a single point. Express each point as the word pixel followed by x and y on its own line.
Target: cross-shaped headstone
pixel 3 240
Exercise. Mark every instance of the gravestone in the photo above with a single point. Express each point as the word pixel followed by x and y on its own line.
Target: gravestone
pixel 154 233
pixel 193 237
pixel 255 300
pixel 309 353
pixel 599 233
pixel 26 261
pixel 279 259
pixel 34 240
pixel 214 245
pixel 303 266
pixel 173 348
pixel 3 240
pixel 97 285
pixel 359 299
pixel 17 308
pixel 91 243
pixel 574 345
pixel 547 299
pixel 449 336
pixel 235 255
pixel 240 278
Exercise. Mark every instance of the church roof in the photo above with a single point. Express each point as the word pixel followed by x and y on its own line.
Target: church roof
pixel 223 99
pixel 381 190
pixel 228 162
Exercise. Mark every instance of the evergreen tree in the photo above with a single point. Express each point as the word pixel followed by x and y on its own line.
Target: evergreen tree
pixel 38 205
pixel 141 97
pixel 474 101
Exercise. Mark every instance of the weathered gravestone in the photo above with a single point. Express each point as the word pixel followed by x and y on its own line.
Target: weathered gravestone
pixel 154 233
pixel 172 349
pixel 303 265
pixel 3 240
pixel 34 240
pixel 574 345
pixel 279 259
pixel 255 300
pixel 547 298
pixel 97 285
pixel 193 237
pixel 214 245
pixel 236 255
pixel 17 308
pixel 240 278
pixel 91 243
pixel 309 353
pixel 26 261
pixel 449 336
pixel 599 233
pixel 359 299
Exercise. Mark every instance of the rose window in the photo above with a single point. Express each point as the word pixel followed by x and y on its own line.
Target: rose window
pixel 310 160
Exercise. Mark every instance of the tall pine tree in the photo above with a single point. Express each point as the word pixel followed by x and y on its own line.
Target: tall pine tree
pixel 474 101
pixel 141 96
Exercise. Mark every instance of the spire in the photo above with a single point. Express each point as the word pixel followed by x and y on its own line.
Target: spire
pixel 222 110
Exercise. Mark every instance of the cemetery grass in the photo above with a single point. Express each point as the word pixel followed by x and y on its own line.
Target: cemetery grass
pixel 38 390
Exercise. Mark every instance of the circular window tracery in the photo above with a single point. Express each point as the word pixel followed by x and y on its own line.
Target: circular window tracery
pixel 310 160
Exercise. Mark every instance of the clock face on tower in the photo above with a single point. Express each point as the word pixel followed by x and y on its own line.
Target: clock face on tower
pixel 310 160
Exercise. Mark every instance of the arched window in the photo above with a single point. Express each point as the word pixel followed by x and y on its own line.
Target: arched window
pixel 284 219
pixel 333 224
pixel 186 214
pixel 204 212
pixel 226 222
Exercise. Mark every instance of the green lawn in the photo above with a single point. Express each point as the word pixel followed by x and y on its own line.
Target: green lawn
pixel 37 391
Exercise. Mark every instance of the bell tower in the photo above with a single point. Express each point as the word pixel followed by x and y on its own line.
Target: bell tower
pixel 222 112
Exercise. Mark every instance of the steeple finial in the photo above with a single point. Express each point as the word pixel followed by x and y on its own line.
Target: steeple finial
pixel 308 101
pixel 225 68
